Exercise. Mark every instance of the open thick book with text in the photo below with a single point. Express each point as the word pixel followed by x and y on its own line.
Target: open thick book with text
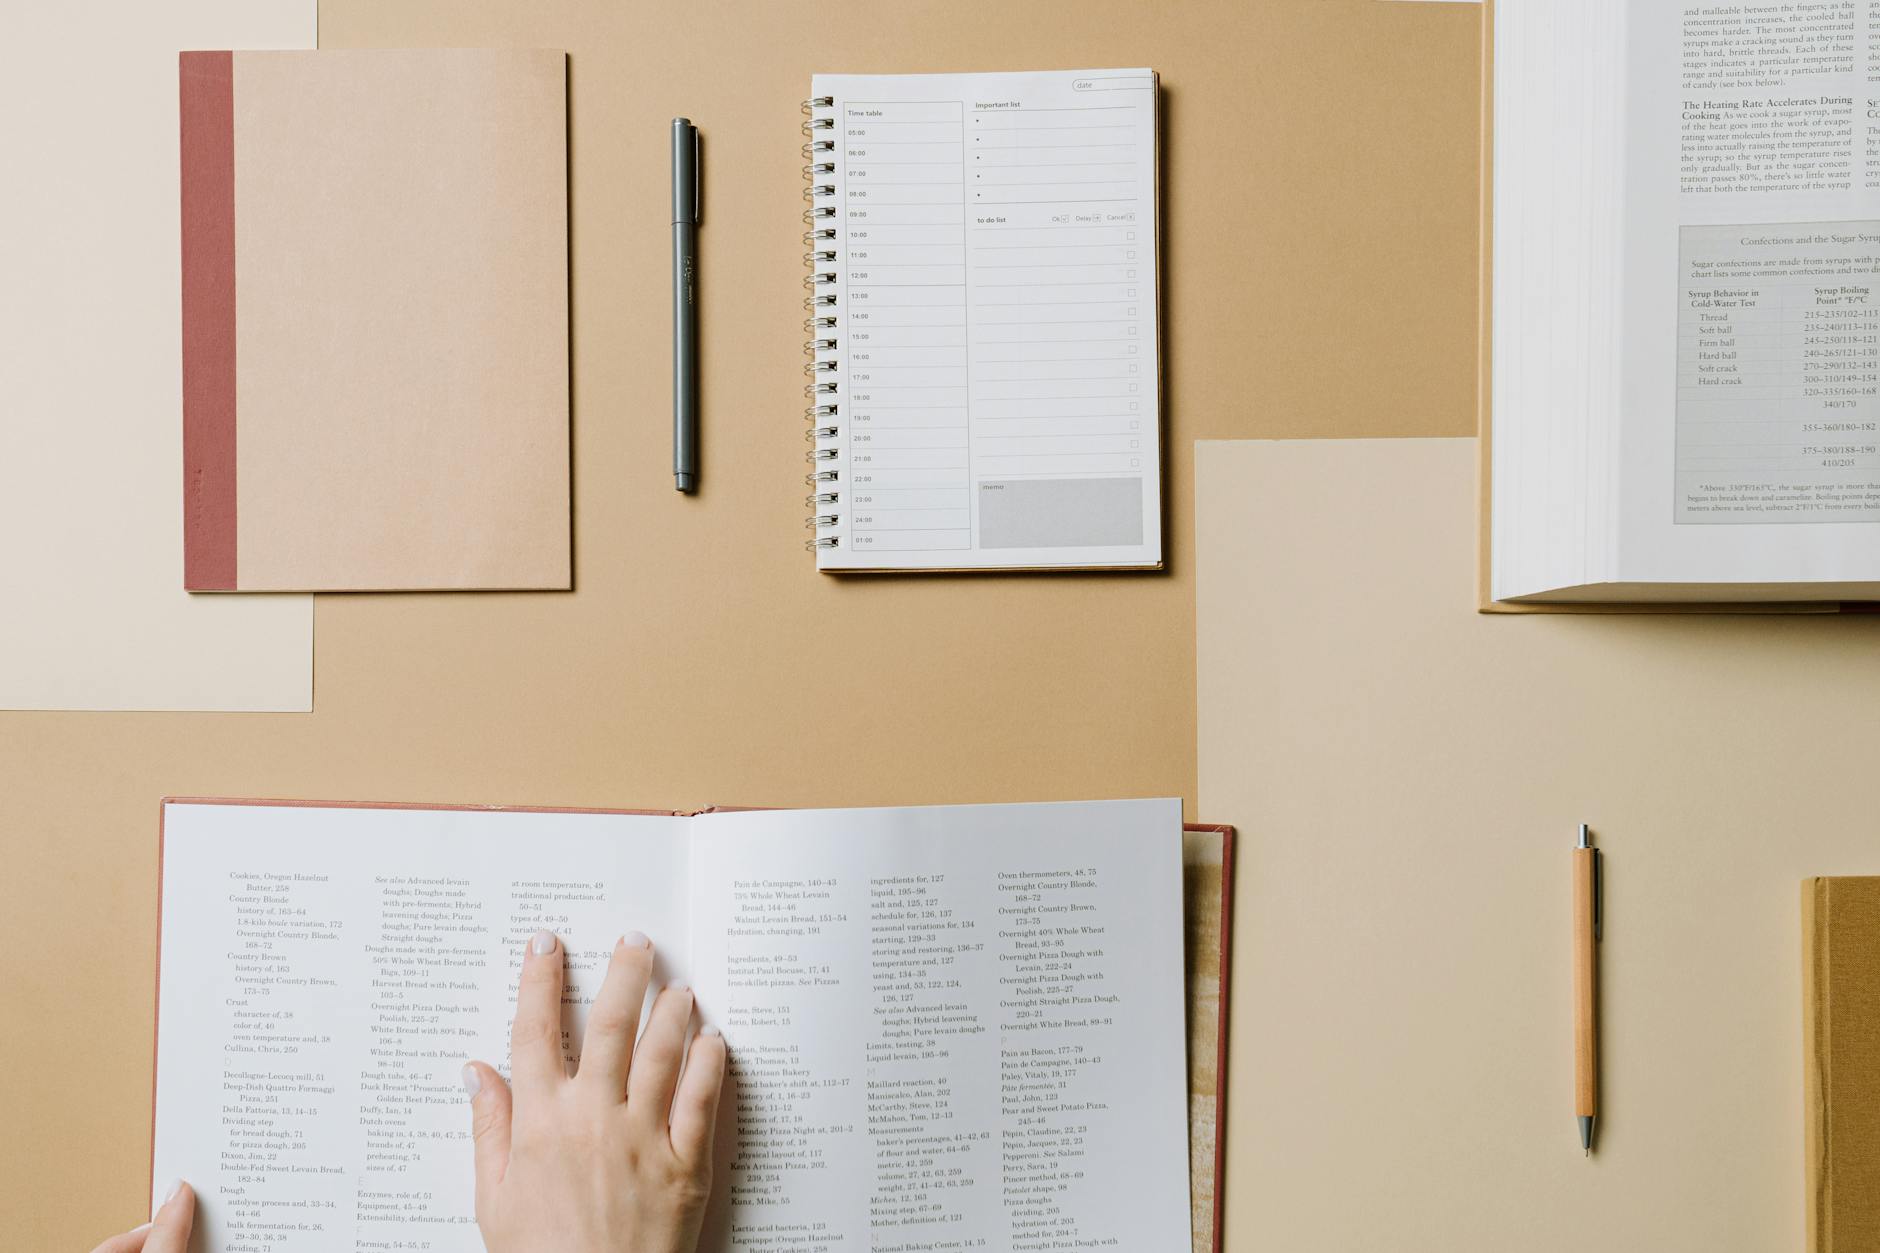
pixel 949 1027
pixel 1685 394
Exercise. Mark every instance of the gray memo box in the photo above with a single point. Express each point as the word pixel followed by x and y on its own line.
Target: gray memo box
pixel 1060 513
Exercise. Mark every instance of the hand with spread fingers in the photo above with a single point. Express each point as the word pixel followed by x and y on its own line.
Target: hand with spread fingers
pixel 166 1232
pixel 615 1158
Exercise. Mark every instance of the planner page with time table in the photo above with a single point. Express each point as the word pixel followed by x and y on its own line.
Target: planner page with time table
pixel 989 273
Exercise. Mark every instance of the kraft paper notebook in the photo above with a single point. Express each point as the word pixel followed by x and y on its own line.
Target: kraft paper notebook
pixel 1684 305
pixel 1841 1054
pixel 983 377
pixel 954 1026
pixel 1411 782
pixel 375 320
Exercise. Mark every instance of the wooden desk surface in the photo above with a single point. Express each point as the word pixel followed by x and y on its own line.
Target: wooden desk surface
pixel 1320 245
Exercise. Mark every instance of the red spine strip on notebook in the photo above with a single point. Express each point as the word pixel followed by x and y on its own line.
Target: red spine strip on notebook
pixel 208 157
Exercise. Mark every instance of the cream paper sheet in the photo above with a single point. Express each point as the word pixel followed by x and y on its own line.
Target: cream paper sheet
pixel 1406 775
pixel 92 609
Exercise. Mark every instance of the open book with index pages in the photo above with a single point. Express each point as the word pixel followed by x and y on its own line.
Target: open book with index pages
pixel 949 1026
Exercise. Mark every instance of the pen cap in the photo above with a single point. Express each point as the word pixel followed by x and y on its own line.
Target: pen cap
pixel 684 171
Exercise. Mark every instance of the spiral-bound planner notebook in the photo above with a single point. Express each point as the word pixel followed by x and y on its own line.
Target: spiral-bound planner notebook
pixel 983 374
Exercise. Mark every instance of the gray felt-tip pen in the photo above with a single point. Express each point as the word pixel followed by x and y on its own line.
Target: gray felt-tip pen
pixel 685 181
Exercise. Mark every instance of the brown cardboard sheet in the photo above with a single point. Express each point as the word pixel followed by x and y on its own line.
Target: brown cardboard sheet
pixel 1319 196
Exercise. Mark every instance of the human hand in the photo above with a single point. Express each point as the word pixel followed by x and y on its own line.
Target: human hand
pixel 615 1158
pixel 168 1232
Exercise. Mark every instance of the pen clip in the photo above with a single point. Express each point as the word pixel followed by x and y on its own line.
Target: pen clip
pixel 1599 894
pixel 698 180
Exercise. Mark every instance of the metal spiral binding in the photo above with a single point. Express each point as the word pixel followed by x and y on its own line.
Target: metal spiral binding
pixel 819 328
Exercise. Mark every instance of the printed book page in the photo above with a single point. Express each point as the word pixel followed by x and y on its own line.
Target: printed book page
pixel 949 1028
pixel 1752 305
pixel 325 973
pixel 990 374
pixel 953 1028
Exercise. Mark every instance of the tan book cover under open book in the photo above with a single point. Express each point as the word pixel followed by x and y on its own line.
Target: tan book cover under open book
pixel 1841 1060
pixel 375 320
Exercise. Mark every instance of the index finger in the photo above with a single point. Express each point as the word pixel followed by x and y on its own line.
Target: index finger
pixel 535 1058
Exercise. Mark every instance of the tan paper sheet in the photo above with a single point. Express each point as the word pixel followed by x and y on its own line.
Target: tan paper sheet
pixel 92 609
pixel 1406 775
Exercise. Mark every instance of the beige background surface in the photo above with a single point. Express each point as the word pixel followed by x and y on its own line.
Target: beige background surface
pixel 1409 783
pixel 1319 278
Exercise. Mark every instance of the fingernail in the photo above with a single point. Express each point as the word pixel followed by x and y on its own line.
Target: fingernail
pixel 543 944
pixel 140 1229
pixel 472 1079
pixel 680 988
pixel 169 1193
pixel 708 1029
pixel 635 939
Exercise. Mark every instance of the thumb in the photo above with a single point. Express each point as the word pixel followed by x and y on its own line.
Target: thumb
pixel 169 1230
pixel 490 1105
